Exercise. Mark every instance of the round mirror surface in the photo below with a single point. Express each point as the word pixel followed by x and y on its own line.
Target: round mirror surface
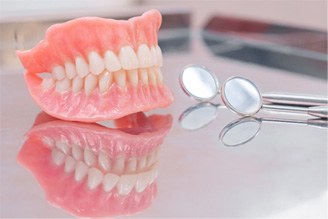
pixel 199 83
pixel 241 96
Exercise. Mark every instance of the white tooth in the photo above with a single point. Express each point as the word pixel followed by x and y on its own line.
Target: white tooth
pixel 153 56
pixel 151 159
pixel 95 177
pixel 81 170
pixel 82 68
pixel 48 141
pixel 154 174
pixel 143 75
pixel 77 152
pixel 128 58
pixel 159 75
pixel 48 83
pixel 69 164
pixel 105 80
pixel 133 77
pixel 70 70
pixel 63 85
pixel 96 63
pixel 144 56
pixel 77 84
pixel 62 146
pixel 152 76
pixel 118 167
pixel 120 78
pixel 131 165
pixel 58 72
pixel 104 161
pixel 149 176
pixel 142 182
pixel 90 83
pixel 126 184
pixel 159 56
pixel 142 163
pixel 112 62
pixel 110 180
pixel 57 156
pixel 89 157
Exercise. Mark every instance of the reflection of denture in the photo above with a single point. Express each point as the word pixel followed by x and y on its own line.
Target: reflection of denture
pixel 87 68
pixel 91 170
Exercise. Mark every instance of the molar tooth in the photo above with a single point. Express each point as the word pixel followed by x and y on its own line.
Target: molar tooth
pixel 58 72
pixel 133 77
pixel 63 85
pixel 69 164
pixel 57 156
pixel 96 63
pixel 48 83
pixel 112 62
pixel 128 58
pixel 120 78
pixel 105 80
pixel 77 152
pixel 70 70
pixel 90 83
pixel 82 68
pixel 81 171
pixel 118 167
pixel 104 161
pixel 77 84
pixel 143 75
pixel 95 177
pixel 62 146
pixel 131 165
pixel 159 56
pixel 144 56
pixel 110 180
pixel 126 184
pixel 89 157
pixel 153 56
pixel 152 76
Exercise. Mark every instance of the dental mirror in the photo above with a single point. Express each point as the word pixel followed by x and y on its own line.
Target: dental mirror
pixel 198 116
pixel 199 83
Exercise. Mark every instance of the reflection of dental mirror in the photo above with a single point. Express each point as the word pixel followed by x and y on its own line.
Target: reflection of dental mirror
pixel 243 130
pixel 198 116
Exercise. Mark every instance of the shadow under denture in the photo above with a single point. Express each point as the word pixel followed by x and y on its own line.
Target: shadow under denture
pixel 94 171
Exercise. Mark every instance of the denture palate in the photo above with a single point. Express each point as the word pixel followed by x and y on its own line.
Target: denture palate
pixel 128 67
pixel 98 169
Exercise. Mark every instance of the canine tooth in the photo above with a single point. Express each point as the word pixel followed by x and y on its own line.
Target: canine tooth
pixel 89 157
pixel 57 156
pixel 70 70
pixel 110 180
pixel 96 63
pixel 104 161
pixel 126 184
pixel 131 165
pixel 159 75
pixel 63 85
pixel 90 83
pixel 159 56
pixel 62 146
pixel 152 76
pixel 120 78
pixel 144 56
pixel 128 58
pixel 153 54
pixel 142 163
pixel 81 171
pixel 77 152
pixel 95 177
pixel 112 62
pixel 77 84
pixel 133 77
pixel 143 75
pixel 82 68
pixel 48 83
pixel 105 80
pixel 69 164
pixel 58 72
pixel 118 166
pixel 142 182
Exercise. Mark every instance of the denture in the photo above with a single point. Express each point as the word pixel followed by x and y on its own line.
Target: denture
pixel 92 69
pixel 93 171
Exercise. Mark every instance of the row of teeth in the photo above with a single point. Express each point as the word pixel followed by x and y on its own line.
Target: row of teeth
pixel 145 76
pixel 124 183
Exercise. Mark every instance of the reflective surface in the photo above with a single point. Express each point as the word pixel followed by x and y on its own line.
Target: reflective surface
pixel 280 173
